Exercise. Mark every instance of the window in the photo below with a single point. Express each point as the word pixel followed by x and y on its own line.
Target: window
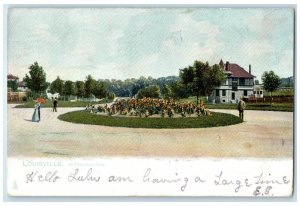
pixel 245 93
pixel 234 84
pixel 242 81
pixel 223 92
pixel 251 82
pixel 260 92
pixel 217 93
pixel 229 81
pixel 247 82
pixel 254 92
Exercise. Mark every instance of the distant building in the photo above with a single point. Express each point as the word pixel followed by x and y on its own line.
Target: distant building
pixel 52 96
pixel 11 77
pixel 16 91
pixel 239 83
pixel 22 86
pixel 258 91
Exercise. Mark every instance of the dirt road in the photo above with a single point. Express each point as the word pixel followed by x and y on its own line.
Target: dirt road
pixel 264 134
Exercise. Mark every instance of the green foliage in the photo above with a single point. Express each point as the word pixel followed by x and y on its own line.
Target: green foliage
pixel 111 95
pixel 13 85
pixel 69 88
pixel 100 90
pixel 49 104
pixel 271 81
pixel 36 80
pixel 201 78
pixel 89 86
pixel 178 90
pixel 216 120
pixel 284 107
pixel 150 91
pixel 166 92
pixel 57 86
pixel 79 88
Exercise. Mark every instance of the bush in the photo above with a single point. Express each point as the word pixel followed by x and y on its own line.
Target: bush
pixel 151 91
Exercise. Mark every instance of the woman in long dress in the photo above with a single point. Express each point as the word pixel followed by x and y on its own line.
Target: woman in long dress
pixel 35 116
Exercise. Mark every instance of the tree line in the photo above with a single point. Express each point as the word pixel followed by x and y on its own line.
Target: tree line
pixel 198 79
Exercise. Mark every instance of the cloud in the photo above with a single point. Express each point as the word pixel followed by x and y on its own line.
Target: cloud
pixel 124 43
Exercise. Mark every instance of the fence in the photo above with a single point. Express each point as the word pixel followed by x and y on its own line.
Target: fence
pixel 275 99
pixel 16 96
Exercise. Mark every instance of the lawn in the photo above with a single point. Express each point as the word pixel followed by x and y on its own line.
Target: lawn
pixel 216 120
pixel 284 107
pixel 30 104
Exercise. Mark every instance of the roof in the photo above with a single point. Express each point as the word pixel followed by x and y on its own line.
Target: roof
pixel 236 71
pixel 22 84
pixel 10 77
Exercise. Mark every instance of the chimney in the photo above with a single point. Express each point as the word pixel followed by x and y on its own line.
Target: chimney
pixel 226 66
pixel 249 68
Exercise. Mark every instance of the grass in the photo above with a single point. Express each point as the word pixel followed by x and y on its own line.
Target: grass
pixel 216 120
pixel 284 107
pixel 49 104
pixel 280 92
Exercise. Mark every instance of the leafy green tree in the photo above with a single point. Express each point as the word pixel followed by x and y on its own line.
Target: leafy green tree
pixel 36 80
pixel 69 88
pixel 57 86
pixel 150 91
pixel 187 77
pixel 271 82
pixel 100 90
pixel 111 95
pixel 166 91
pixel 79 88
pixel 201 78
pixel 13 85
pixel 178 90
pixel 89 86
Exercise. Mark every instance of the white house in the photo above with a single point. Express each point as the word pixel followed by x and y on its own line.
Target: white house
pixel 52 96
pixel 22 86
pixel 258 91
pixel 239 83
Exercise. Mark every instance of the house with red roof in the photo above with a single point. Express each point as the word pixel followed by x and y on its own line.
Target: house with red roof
pixel 239 84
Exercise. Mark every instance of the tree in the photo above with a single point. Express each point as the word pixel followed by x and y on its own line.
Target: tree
pixel 69 88
pixel 271 82
pixel 57 86
pixel 111 96
pixel 36 81
pixel 256 82
pixel 150 91
pixel 13 85
pixel 201 78
pixel 89 86
pixel 100 90
pixel 178 90
pixel 79 88
pixel 166 91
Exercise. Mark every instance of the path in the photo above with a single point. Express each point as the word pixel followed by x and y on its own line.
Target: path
pixel 263 134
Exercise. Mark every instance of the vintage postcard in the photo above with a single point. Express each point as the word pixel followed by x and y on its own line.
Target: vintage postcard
pixel 150 101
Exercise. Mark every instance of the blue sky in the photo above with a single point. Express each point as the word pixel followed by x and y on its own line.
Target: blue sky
pixel 126 43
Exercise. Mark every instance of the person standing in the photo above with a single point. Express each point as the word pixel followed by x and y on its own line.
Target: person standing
pixel 55 103
pixel 241 108
pixel 35 116
pixel 39 110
